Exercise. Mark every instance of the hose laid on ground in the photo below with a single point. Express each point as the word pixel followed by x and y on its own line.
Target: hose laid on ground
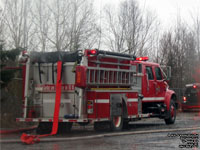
pixel 17 130
pixel 31 139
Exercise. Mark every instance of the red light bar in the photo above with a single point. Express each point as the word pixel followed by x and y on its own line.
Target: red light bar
pixel 142 58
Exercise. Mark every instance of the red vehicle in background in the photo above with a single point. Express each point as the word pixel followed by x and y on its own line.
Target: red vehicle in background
pixel 191 98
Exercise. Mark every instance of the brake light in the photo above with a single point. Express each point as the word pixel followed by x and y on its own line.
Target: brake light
pixel 184 99
pixel 194 86
pixel 142 58
pixel 90 107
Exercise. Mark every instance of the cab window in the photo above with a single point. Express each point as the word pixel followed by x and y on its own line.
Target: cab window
pixel 158 73
pixel 149 72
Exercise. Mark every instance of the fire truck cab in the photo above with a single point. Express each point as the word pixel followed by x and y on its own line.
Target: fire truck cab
pixel 107 89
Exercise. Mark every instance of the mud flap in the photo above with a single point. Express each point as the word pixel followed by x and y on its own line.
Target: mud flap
pixel 140 97
pixel 115 105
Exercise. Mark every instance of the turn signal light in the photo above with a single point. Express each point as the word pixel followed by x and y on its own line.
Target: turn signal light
pixel 90 107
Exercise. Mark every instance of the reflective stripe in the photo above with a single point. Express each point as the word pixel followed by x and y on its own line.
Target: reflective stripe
pixel 53 101
pixel 102 101
pixel 107 100
pixel 132 100
pixel 49 120
pixel 153 98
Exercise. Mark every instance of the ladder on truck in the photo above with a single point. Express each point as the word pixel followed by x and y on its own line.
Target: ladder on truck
pixel 120 72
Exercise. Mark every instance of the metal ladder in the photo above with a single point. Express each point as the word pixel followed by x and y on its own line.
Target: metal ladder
pixel 114 76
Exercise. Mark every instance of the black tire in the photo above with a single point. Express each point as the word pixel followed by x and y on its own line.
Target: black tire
pixel 102 126
pixel 116 123
pixel 44 128
pixel 183 110
pixel 171 114
pixel 64 127
pixel 126 125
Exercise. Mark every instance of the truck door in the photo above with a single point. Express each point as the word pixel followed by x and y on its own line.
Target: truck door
pixel 160 86
pixel 149 84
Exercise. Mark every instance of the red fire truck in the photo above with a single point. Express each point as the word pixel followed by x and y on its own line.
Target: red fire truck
pixel 107 89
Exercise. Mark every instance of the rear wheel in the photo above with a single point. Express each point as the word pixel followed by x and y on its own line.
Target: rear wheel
pixel 126 124
pixel 64 127
pixel 116 123
pixel 102 126
pixel 46 127
pixel 171 113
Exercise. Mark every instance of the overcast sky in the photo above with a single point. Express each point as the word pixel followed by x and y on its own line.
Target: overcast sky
pixel 166 10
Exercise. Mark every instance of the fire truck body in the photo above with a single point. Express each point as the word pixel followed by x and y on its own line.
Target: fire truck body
pixel 105 88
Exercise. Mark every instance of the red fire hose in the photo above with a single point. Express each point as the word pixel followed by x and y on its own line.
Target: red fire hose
pixel 31 139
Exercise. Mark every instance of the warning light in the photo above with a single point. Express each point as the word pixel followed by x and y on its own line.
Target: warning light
pixel 89 52
pixel 93 51
pixel 194 86
pixel 142 58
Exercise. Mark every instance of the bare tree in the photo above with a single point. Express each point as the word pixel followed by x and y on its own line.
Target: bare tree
pixel 2 25
pixel 196 30
pixel 19 22
pixel 130 29
pixel 72 24
pixel 41 23
pixel 177 49
pixel 115 34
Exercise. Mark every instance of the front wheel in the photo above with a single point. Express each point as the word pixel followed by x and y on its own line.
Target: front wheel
pixel 171 113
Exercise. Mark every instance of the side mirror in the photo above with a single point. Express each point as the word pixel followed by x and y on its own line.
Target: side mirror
pixel 166 70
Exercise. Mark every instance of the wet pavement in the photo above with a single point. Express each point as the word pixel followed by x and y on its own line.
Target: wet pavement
pixel 146 141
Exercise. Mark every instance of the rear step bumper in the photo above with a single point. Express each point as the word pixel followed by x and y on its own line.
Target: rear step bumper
pixel 79 120
pixel 49 120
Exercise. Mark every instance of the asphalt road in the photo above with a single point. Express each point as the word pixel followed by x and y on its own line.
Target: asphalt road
pixel 145 141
